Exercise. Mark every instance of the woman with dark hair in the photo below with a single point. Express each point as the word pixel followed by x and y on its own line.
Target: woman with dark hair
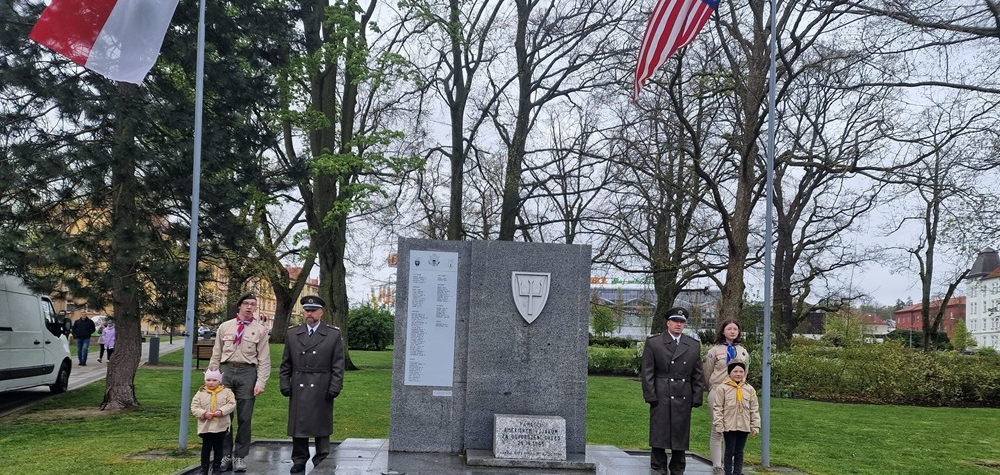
pixel 727 349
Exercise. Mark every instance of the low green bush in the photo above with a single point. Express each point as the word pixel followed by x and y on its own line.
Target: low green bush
pixel 888 373
pixel 370 328
pixel 614 361
pixel 611 341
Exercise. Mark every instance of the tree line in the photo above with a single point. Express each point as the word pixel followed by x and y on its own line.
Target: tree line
pixel 332 127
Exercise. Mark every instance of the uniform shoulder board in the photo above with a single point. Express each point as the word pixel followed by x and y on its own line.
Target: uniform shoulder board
pixel 333 326
pixel 291 326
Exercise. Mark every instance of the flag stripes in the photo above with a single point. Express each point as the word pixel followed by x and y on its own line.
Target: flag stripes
pixel 672 25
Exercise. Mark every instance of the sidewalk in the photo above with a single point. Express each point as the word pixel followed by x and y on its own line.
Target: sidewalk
pixel 83 375
pixel 372 457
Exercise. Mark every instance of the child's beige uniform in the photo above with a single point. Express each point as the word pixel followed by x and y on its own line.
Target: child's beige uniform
pixel 225 401
pixel 729 414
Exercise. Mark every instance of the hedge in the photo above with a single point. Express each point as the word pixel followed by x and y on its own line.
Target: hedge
pixel 873 374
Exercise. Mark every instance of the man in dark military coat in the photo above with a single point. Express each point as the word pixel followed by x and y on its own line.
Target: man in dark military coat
pixel 672 384
pixel 311 375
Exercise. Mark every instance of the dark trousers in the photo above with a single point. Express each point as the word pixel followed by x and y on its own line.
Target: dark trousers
pixel 101 356
pixel 658 461
pixel 111 351
pixel 300 450
pixel 241 379
pixel 732 458
pixel 211 442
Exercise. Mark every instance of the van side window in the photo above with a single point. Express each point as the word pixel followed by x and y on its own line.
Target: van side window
pixel 52 322
pixel 24 309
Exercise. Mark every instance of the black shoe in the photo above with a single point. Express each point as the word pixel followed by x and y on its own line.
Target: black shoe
pixel 298 469
pixel 83 364
pixel 204 470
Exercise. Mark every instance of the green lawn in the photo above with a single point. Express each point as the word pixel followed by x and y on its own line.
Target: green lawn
pixel 68 432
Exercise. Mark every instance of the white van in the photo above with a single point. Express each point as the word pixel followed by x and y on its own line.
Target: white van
pixel 34 350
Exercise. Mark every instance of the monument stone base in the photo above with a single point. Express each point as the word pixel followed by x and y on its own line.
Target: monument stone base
pixel 485 458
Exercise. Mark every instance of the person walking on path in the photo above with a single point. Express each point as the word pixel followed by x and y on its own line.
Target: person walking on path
pixel 110 335
pixel 241 352
pixel 82 330
pixel 311 377
pixel 100 340
pixel 727 349
pixel 212 405
pixel 672 385
pixel 735 415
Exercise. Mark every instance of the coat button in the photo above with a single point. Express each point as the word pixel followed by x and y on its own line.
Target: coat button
pixel 312 385
pixel 314 352
pixel 301 385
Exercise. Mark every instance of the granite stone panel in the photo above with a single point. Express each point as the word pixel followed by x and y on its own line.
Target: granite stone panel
pixel 520 368
pixel 421 418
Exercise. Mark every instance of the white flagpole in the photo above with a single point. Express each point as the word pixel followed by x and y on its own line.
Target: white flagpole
pixel 765 426
pixel 189 323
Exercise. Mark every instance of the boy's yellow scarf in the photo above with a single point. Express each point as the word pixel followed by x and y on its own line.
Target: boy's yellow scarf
pixel 739 393
pixel 213 392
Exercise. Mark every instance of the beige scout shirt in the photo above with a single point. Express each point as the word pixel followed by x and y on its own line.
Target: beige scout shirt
pixel 253 349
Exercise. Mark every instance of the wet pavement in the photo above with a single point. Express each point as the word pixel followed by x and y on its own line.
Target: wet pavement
pixel 372 457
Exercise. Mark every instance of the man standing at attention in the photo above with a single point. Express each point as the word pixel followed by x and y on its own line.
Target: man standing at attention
pixel 311 376
pixel 242 354
pixel 671 384
pixel 83 328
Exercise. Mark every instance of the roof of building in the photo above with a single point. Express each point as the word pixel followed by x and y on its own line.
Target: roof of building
pixel 954 301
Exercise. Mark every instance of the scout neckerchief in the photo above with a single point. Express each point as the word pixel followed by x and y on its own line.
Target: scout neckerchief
pixel 239 330
pixel 730 352
pixel 739 393
pixel 213 392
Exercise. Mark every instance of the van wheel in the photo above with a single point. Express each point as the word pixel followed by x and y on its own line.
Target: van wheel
pixel 62 382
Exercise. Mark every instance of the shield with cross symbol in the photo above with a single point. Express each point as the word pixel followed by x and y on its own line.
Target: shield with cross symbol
pixel 531 291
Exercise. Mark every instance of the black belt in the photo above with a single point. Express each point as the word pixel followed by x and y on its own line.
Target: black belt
pixel 238 364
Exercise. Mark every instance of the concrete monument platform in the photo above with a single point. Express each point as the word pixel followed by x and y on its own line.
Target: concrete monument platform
pixel 371 457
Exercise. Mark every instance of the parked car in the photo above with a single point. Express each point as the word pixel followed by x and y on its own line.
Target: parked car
pixel 205 332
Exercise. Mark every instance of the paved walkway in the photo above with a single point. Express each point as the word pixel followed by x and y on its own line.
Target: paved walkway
pixel 83 375
pixel 371 457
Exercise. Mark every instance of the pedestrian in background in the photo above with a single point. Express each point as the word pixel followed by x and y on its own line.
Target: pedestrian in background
pixel 241 352
pixel 736 415
pixel 100 340
pixel 311 376
pixel 672 385
pixel 726 350
pixel 212 405
pixel 110 334
pixel 83 329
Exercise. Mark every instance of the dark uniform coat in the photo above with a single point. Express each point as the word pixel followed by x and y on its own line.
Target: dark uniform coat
pixel 671 378
pixel 312 369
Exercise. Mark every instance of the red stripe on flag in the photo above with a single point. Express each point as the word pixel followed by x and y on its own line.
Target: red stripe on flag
pixel 70 27
pixel 672 25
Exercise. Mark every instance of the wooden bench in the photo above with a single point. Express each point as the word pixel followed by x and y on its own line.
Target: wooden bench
pixel 202 352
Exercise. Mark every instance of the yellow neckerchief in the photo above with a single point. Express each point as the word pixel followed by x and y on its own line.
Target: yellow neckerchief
pixel 739 392
pixel 213 392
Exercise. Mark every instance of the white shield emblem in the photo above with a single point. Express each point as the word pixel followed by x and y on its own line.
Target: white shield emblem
pixel 531 290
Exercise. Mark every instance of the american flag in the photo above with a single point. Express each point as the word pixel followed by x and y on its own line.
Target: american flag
pixel 672 25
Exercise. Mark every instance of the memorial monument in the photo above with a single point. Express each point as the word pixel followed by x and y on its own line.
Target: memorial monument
pixel 490 354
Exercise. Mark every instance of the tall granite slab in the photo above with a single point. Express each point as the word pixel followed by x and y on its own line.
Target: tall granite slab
pixel 502 364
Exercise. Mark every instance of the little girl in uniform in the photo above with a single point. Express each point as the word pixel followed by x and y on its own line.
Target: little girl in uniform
pixel 735 415
pixel 212 405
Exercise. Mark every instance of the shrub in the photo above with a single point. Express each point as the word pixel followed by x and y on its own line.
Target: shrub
pixel 614 361
pixel 886 374
pixel 611 341
pixel 370 328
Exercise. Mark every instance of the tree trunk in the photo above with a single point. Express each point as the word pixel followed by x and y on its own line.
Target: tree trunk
pixel 126 238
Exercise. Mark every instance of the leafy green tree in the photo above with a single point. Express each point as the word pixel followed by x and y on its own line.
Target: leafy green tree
pixel 371 328
pixel 98 174
pixel 962 339
pixel 348 103
pixel 602 320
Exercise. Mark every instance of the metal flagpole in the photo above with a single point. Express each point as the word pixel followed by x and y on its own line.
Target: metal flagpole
pixel 765 426
pixel 189 322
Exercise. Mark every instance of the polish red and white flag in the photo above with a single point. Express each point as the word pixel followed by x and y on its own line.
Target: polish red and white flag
pixel 119 39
